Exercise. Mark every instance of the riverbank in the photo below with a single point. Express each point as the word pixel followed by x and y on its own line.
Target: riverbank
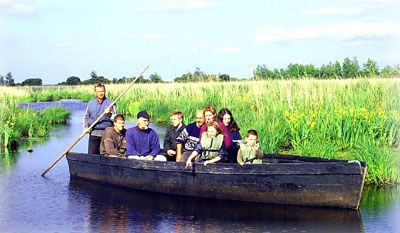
pixel 17 124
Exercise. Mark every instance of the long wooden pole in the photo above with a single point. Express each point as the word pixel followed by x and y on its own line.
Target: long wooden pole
pixel 92 125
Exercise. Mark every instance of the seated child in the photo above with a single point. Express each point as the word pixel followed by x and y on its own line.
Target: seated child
pixel 211 147
pixel 249 152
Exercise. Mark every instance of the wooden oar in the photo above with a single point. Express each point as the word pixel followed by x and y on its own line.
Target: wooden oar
pixel 92 125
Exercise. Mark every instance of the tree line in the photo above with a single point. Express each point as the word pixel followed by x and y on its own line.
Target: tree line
pixel 349 68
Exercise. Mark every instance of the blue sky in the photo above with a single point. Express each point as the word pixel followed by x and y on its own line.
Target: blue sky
pixel 53 40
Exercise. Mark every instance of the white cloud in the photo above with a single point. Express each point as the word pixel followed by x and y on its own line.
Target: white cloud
pixel 354 30
pixel 164 52
pixel 174 5
pixel 61 45
pixel 375 2
pixel 353 7
pixel 148 36
pixel 206 46
pixel 202 46
pixel 17 8
pixel 348 10
pixel 228 50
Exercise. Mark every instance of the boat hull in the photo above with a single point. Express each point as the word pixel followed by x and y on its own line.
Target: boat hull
pixel 290 180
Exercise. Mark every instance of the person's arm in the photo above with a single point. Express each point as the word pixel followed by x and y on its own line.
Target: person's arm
pixel 178 152
pixel 258 151
pixel 168 143
pixel 154 144
pixel 214 160
pixel 191 157
pixel 180 142
pixel 235 136
pixel 222 151
pixel 240 157
pixel 227 138
pixel 113 112
pixel 183 136
pixel 167 140
pixel 86 118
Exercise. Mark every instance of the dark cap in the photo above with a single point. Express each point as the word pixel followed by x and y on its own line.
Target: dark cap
pixel 143 114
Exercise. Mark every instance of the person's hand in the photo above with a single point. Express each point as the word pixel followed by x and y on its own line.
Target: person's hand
pixel 86 130
pixel 171 152
pixel 206 162
pixel 149 157
pixel 188 163
pixel 241 163
pixel 107 110
pixel 257 146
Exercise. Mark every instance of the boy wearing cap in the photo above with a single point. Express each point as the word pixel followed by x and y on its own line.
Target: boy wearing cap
pixel 142 142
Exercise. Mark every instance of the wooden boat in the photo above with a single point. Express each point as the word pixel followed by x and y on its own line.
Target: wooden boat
pixel 281 179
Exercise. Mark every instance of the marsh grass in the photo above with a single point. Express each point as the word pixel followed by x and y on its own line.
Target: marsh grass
pixel 17 123
pixel 383 166
pixel 354 119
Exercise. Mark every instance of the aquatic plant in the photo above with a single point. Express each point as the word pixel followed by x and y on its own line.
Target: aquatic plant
pixel 382 166
pixel 17 123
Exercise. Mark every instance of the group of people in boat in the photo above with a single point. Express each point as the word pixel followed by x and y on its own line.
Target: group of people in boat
pixel 213 137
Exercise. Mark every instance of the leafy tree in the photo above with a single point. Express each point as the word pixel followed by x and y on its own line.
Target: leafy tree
pixel 371 68
pixel 390 72
pixel 97 79
pixel 73 80
pixel 350 68
pixel 224 77
pixel 141 79
pixel 338 69
pixel 32 82
pixel 197 76
pixel 155 78
pixel 1 80
pixel 9 79
pixel 262 72
pixel 124 80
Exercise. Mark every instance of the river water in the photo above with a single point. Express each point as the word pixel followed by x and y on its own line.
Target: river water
pixel 56 203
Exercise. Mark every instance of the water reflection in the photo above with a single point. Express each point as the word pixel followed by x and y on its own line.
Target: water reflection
pixel 8 158
pixel 120 210
pixel 377 199
pixel 381 204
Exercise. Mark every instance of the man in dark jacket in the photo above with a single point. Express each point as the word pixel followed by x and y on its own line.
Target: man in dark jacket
pixel 172 134
pixel 95 108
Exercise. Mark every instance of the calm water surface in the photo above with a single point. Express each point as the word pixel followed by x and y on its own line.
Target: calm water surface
pixel 56 203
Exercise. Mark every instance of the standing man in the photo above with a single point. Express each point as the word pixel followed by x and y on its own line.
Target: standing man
pixel 172 133
pixel 142 142
pixel 95 108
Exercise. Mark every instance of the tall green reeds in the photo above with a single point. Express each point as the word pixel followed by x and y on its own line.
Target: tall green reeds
pixel 17 123
pixel 351 119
